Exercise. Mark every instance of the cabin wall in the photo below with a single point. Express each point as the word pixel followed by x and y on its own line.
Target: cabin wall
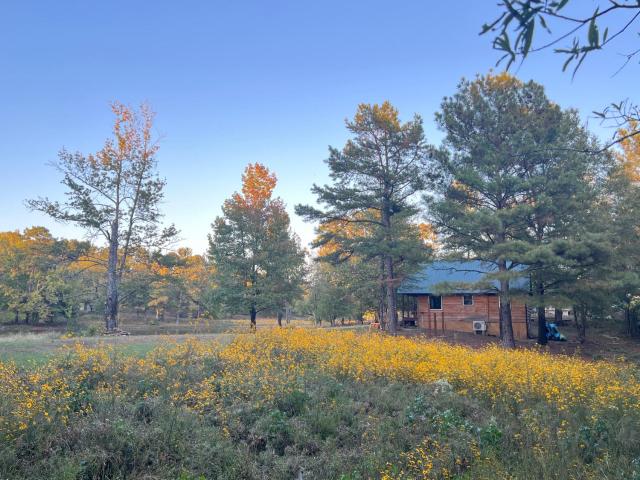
pixel 519 319
pixel 455 316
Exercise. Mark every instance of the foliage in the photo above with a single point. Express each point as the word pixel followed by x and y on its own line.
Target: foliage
pixel 36 278
pixel 522 16
pixel 116 194
pixel 258 260
pixel 518 188
pixel 622 206
pixel 592 31
pixel 321 404
pixel 181 281
pixel 375 179
pixel 344 290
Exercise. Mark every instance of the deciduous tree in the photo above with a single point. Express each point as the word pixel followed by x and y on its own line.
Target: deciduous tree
pixel 258 260
pixel 115 194
pixel 37 279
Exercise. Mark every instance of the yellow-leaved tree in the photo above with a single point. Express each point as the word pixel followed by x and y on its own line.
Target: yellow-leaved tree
pixel 258 259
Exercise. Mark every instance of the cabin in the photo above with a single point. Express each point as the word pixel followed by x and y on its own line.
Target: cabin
pixel 452 296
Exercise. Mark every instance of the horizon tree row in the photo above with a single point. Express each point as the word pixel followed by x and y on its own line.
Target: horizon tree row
pixel 518 182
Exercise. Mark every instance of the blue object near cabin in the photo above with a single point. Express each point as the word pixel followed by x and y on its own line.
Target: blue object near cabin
pixel 554 334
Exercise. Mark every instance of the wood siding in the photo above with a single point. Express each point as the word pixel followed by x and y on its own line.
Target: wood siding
pixel 456 316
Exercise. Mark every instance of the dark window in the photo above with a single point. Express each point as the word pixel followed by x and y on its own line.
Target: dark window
pixel 435 303
pixel 467 299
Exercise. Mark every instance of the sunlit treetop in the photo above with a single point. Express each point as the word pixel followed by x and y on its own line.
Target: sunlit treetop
pixel 382 116
pixel 629 158
pixel 132 132
pixel 502 80
pixel 257 186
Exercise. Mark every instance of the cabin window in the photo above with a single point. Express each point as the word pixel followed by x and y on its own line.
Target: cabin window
pixel 467 299
pixel 435 302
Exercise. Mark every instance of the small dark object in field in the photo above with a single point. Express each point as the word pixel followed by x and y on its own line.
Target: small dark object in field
pixel 257 443
pixel 115 333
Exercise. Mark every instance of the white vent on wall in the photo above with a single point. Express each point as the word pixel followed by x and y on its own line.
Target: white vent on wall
pixel 479 326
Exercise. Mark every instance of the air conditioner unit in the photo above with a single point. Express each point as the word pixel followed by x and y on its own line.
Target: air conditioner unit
pixel 479 326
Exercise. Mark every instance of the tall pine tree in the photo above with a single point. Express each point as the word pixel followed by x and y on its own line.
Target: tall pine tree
pixel 517 187
pixel 376 177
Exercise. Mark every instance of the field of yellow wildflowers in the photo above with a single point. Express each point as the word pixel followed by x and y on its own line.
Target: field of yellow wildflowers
pixel 307 404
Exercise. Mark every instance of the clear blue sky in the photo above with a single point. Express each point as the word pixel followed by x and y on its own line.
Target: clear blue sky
pixel 238 82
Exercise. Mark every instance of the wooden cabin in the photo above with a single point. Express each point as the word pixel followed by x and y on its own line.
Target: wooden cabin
pixel 455 296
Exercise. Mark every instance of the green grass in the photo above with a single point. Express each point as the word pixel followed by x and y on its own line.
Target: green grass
pixel 29 347
pixel 36 349
pixel 35 344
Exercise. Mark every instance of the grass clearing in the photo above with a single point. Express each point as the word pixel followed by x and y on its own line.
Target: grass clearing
pixel 37 349
pixel 35 344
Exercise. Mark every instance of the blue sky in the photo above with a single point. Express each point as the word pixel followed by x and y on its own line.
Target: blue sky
pixel 239 82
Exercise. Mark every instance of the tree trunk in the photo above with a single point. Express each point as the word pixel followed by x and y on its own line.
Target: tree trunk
pixel 381 300
pixel 392 310
pixel 505 310
pixel 627 318
pixel 253 314
pixel 542 326
pixel 111 307
pixel 542 318
pixel 581 324
pixel 633 322
pixel 178 308
pixel 280 318
pixel 505 319
pixel 557 316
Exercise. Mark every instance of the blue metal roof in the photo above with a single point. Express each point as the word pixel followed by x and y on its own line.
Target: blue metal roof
pixel 471 276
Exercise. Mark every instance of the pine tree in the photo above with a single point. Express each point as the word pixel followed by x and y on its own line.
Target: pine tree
pixel 376 177
pixel 518 186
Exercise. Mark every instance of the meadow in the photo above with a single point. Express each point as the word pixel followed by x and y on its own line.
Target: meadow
pixel 313 404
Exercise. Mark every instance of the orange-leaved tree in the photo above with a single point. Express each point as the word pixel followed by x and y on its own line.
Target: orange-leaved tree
pixel 258 259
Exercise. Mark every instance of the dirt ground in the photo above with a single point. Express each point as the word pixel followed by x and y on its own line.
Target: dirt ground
pixel 598 345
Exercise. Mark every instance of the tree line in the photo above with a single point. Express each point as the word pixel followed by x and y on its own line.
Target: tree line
pixel 518 182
